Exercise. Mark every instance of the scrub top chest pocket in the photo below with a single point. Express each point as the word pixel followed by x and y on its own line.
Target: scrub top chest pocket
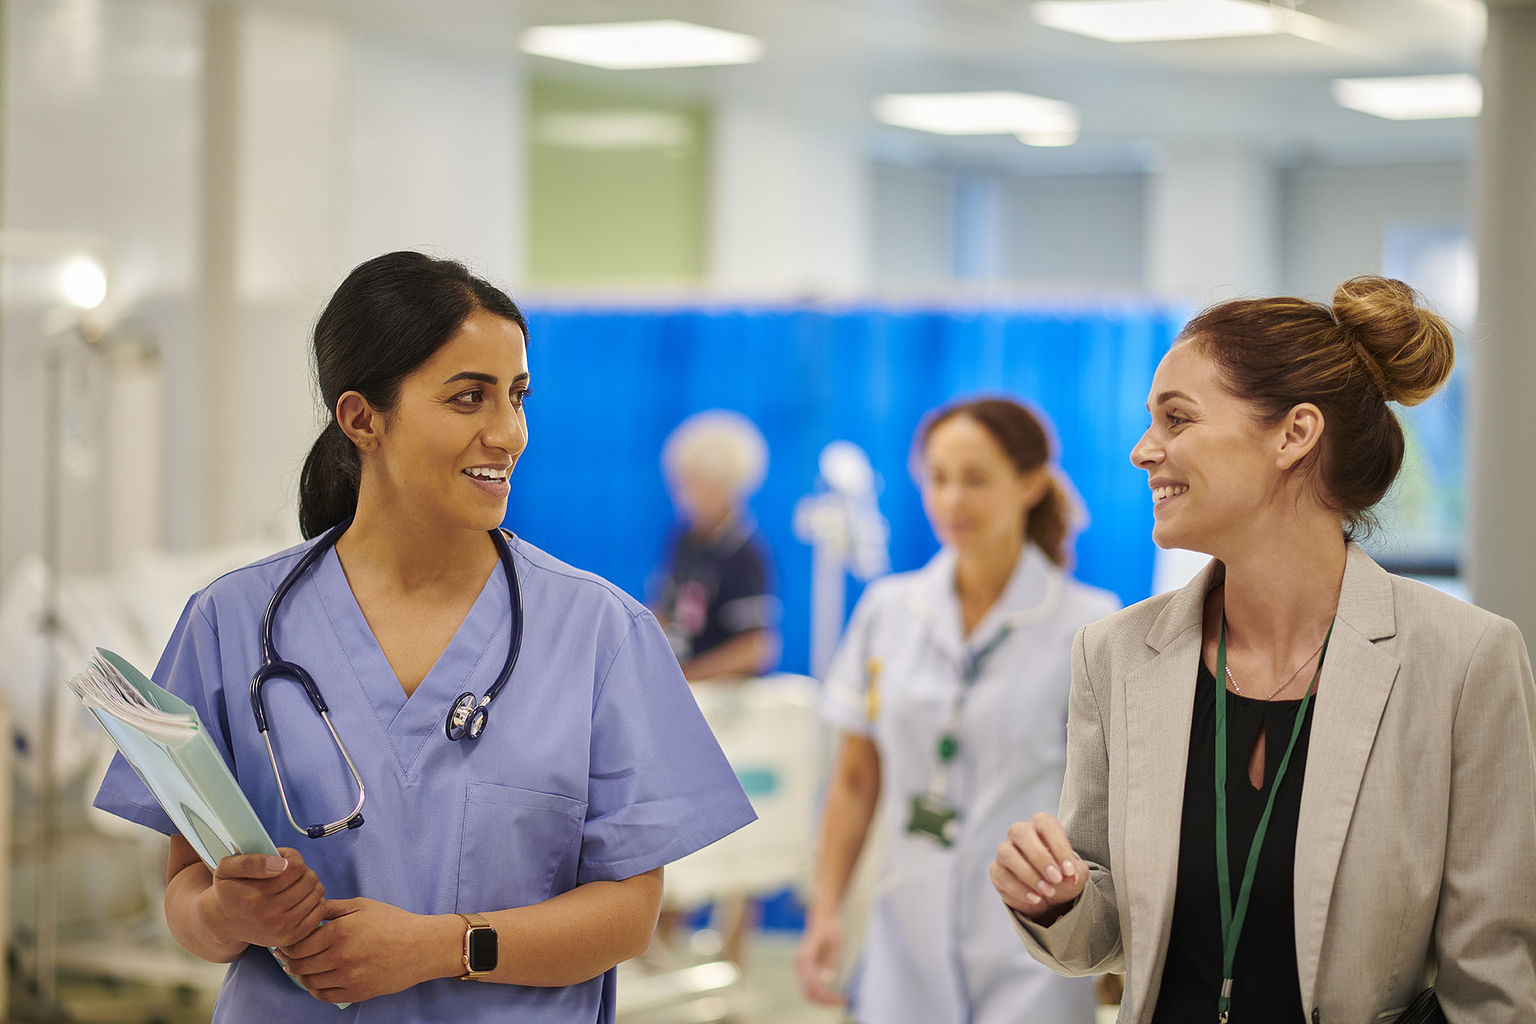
pixel 519 847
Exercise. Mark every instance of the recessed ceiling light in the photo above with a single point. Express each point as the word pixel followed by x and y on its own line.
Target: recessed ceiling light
pixel 1412 97
pixel 1135 21
pixel 641 44
pixel 1035 120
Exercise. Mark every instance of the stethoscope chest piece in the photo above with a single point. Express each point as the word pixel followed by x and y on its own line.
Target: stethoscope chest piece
pixel 466 718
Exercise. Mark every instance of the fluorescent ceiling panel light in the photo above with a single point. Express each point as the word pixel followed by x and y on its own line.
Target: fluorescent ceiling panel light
pixel 1139 21
pixel 641 44
pixel 1412 97
pixel 614 129
pixel 1034 119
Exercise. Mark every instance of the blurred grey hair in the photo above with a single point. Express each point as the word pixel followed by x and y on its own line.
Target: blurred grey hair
pixel 719 445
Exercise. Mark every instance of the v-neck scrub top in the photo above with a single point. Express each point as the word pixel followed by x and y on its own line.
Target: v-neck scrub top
pixel 940 947
pixel 595 765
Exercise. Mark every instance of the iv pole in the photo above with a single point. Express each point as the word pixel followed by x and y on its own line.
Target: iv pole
pixel 80 321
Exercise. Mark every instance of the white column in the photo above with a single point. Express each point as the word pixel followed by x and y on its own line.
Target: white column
pixel 278 107
pixel 1212 226
pixel 1501 562
pixel 788 205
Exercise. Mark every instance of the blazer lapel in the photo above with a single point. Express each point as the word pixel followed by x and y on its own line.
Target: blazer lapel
pixel 1351 694
pixel 1158 698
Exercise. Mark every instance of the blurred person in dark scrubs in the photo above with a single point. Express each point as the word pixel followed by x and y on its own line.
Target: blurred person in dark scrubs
pixel 715 596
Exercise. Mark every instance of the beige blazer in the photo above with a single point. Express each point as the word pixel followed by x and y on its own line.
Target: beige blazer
pixel 1417 837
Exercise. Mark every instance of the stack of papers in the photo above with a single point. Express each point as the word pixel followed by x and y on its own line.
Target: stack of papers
pixel 103 687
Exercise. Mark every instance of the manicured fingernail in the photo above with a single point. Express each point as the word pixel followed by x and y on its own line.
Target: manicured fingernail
pixel 1046 888
pixel 1031 897
pixel 1069 868
pixel 275 863
pixel 1053 874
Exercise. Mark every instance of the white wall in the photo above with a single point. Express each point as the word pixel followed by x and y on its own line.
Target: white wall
pixel 433 157
pixel 911 238
pixel 1336 218
pixel 1079 232
pixel 788 205
pixel 1212 226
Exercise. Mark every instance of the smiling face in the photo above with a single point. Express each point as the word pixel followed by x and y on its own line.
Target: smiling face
pixel 974 497
pixel 446 449
pixel 1216 471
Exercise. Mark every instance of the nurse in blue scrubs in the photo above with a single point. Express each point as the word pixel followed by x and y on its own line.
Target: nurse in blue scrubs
pixel 551 828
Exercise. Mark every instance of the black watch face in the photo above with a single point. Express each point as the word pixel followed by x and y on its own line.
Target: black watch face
pixel 482 949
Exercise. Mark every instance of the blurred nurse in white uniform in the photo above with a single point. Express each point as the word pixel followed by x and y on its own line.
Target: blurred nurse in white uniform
pixel 950 694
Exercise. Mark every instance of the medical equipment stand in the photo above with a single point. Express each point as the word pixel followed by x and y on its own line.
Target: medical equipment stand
pixel 842 523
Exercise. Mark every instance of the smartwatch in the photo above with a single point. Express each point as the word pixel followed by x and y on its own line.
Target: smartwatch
pixel 479 947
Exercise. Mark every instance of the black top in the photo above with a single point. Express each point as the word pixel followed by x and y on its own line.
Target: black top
pixel 713 589
pixel 1265 987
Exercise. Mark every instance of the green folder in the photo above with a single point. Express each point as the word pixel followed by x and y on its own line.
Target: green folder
pixel 187 776
pixel 181 767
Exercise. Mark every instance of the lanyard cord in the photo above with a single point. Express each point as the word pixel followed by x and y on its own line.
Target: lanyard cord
pixel 1232 919
pixel 949 739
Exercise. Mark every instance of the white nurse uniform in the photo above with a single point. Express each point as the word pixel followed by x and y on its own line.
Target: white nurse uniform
pixel 940 948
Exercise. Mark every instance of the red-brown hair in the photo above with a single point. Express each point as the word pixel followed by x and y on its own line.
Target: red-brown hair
pixel 1023 438
pixel 1376 344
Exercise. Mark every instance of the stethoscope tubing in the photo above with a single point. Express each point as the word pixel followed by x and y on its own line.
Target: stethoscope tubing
pixel 465 717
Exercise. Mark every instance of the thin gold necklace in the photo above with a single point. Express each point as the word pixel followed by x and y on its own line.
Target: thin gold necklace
pixel 1289 679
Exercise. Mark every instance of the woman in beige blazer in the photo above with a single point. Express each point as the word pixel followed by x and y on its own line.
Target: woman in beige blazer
pixel 1400 843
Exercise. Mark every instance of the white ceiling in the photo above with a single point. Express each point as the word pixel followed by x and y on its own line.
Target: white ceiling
pixel 826 60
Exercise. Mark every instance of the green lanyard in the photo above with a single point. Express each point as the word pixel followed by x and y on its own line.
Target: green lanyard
pixel 949 739
pixel 1232 920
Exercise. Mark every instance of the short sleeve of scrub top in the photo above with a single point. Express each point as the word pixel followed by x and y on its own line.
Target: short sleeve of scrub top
pixel 851 687
pixel 596 765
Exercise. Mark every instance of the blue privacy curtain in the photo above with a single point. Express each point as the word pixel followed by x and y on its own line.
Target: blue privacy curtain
pixel 611 383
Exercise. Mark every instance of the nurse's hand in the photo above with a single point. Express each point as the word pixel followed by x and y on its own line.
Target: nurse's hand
pixel 264 900
pixel 366 949
pixel 1036 871
pixel 816 960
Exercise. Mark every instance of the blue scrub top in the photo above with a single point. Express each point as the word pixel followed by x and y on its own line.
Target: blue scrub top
pixel 596 765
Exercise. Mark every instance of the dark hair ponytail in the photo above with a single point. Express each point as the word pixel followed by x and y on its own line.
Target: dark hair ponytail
pixel 1022 436
pixel 386 319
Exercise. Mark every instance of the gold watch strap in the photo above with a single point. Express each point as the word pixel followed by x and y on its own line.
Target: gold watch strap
pixel 471 922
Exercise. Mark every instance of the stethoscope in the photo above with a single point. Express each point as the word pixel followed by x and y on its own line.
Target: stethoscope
pixel 467 716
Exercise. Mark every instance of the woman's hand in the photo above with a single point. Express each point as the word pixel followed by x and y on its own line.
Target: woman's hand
pixel 367 948
pixel 816 959
pixel 1036 871
pixel 263 900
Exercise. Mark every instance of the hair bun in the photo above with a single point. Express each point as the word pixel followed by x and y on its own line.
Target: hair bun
pixel 1409 348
